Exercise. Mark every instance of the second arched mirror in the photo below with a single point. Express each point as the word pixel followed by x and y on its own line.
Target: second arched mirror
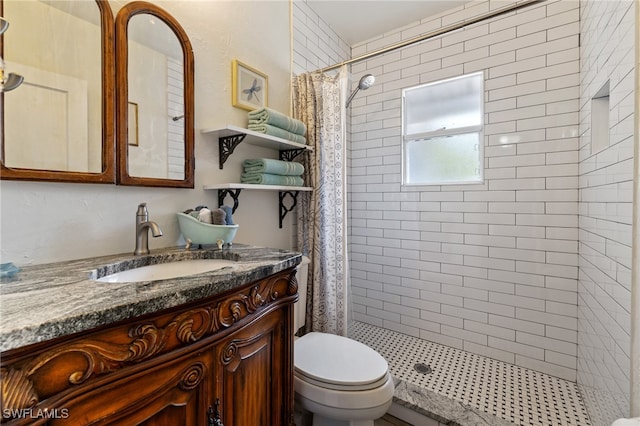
pixel 154 98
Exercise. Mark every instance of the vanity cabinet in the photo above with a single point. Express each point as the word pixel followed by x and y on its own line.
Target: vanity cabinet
pixel 226 358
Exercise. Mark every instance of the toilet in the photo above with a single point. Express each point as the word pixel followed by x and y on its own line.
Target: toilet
pixel 341 382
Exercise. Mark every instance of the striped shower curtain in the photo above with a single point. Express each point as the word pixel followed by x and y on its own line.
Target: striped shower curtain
pixel 319 101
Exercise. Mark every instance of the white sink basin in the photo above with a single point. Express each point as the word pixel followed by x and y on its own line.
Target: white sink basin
pixel 163 271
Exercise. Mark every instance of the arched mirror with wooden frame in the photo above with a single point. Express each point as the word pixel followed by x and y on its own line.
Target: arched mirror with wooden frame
pixel 59 124
pixel 154 98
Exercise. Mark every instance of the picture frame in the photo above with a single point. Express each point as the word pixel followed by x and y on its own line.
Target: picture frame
pixel 250 87
pixel 132 128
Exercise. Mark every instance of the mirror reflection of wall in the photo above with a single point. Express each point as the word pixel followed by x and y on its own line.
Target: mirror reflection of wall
pixel 155 84
pixel 54 120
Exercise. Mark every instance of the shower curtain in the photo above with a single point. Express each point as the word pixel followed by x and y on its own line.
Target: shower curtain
pixel 319 101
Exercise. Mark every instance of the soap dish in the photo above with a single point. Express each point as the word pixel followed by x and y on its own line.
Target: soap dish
pixel 205 233
pixel 8 270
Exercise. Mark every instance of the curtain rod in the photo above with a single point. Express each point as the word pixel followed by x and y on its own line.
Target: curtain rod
pixel 435 33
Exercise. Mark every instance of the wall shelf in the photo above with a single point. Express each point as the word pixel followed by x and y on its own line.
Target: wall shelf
pixel 233 190
pixel 229 137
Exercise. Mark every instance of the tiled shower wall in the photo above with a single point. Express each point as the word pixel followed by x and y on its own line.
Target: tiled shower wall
pixel 315 44
pixel 494 269
pixel 607 54
pixel 491 268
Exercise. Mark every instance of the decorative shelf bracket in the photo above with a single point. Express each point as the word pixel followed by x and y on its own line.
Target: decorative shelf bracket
pixel 290 154
pixel 229 137
pixel 284 209
pixel 234 193
pixel 226 146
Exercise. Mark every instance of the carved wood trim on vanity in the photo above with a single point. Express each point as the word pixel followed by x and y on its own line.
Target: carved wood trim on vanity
pixel 30 377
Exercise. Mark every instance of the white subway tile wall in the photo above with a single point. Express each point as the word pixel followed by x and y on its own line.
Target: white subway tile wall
pixel 315 44
pixel 474 266
pixel 605 209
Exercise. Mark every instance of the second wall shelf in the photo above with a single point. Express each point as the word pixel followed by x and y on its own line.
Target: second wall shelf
pixel 233 190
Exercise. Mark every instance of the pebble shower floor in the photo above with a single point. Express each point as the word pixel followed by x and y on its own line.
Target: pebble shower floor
pixel 519 395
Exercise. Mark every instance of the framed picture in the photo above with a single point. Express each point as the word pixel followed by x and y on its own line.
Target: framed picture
pixel 250 87
pixel 132 128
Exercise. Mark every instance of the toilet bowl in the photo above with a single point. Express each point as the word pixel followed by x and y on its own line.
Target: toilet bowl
pixel 340 381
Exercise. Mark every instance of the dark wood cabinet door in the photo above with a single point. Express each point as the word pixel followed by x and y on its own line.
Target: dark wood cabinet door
pixel 253 382
pixel 174 393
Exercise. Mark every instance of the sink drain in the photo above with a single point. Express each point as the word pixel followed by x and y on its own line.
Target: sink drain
pixel 422 368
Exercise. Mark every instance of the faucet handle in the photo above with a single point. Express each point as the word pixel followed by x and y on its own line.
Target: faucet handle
pixel 142 210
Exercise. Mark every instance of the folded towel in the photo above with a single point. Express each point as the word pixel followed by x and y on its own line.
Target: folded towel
pixel 277 119
pixel 269 179
pixel 204 215
pixel 268 129
pixel 219 217
pixel 228 218
pixel 274 167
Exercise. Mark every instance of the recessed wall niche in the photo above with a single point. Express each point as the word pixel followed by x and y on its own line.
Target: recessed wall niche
pixel 600 119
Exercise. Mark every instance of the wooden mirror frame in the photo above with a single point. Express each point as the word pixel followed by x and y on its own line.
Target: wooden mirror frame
pixel 107 175
pixel 122 96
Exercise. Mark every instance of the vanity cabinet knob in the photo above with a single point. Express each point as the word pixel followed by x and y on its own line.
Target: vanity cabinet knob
pixel 213 415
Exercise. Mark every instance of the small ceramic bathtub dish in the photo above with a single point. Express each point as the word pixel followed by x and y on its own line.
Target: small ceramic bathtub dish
pixel 205 233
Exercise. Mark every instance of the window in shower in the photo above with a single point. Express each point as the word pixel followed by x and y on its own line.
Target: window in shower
pixel 442 131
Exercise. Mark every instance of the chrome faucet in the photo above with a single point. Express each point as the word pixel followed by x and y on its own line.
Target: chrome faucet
pixel 143 224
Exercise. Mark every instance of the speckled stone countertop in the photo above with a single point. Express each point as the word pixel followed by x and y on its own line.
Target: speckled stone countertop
pixel 46 301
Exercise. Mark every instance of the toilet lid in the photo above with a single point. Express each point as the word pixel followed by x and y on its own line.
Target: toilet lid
pixel 338 362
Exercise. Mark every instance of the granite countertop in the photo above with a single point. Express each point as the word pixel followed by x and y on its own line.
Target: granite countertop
pixel 46 301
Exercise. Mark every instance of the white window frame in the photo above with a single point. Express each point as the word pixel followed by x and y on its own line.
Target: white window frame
pixel 451 132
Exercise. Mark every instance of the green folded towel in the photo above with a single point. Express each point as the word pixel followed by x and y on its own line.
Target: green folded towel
pixel 269 179
pixel 277 119
pixel 268 129
pixel 274 167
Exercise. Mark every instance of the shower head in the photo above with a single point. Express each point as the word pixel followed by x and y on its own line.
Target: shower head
pixel 365 82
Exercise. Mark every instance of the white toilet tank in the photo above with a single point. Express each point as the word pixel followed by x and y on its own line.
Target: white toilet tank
pixel 300 307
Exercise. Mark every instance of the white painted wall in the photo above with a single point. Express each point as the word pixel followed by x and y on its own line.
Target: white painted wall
pixel 45 222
